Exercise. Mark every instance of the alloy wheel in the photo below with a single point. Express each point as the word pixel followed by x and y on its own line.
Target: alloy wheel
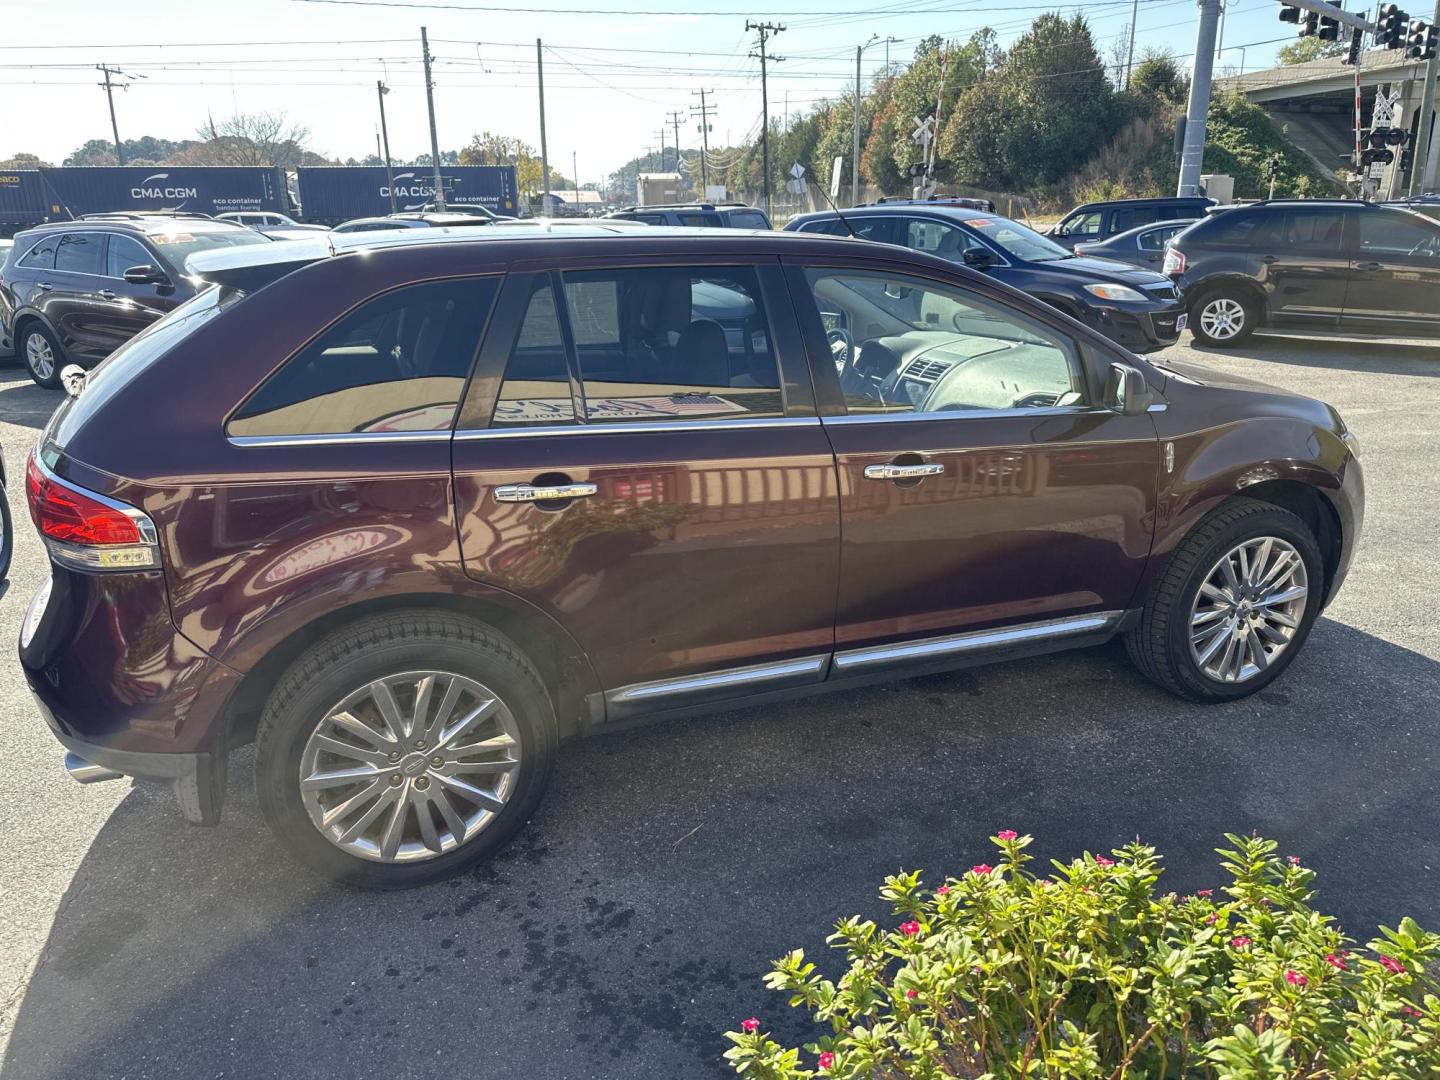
pixel 1222 318
pixel 1248 609
pixel 39 355
pixel 410 766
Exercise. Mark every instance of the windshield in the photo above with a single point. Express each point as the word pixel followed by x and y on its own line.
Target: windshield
pixel 132 358
pixel 177 245
pixel 1015 239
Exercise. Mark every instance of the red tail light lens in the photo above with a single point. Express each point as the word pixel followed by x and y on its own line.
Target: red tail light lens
pixel 85 530
pixel 1174 262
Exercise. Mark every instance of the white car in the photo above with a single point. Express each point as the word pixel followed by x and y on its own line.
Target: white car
pixel 266 220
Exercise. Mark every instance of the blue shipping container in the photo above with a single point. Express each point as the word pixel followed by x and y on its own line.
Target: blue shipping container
pixel 71 192
pixel 21 201
pixel 341 192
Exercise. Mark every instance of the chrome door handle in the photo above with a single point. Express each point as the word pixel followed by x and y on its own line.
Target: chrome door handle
pixel 903 472
pixel 106 294
pixel 527 493
pixel 44 286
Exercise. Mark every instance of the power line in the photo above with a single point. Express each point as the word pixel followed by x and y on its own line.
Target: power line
pixel 518 10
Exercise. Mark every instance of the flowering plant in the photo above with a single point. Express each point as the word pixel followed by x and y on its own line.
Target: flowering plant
pixel 1094 974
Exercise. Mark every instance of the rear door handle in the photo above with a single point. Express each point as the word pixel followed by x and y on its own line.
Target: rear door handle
pixel 903 472
pixel 44 286
pixel 106 294
pixel 1369 266
pixel 1268 259
pixel 528 493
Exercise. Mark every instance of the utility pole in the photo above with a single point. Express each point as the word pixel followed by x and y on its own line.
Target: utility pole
pixel 704 112
pixel 110 97
pixel 1130 52
pixel 675 123
pixel 381 90
pixel 661 133
pixel 434 139
pixel 766 31
pixel 855 133
pixel 1193 152
pixel 544 151
pixel 574 168
pixel 1426 130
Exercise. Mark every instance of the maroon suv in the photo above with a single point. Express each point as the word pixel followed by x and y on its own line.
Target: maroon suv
pixel 410 510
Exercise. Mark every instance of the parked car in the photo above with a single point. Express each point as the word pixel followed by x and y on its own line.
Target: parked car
pixel 74 291
pixel 987 205
pixel 1143 247
pixel 1092 222
pixel 701 215
pixel 473 209
pixel 447 499
pixel 1139 309
pixel 414 220
pixel 7 527
pixel 262 219
pixel 1337 266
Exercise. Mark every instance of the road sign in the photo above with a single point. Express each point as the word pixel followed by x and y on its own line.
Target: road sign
pixel 924 129
pixel 835 167
pixel 797 171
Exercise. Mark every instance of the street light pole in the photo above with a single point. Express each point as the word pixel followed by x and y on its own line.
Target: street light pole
pixel 1192 153
pixel 855 134
pixel 434 139
pixel 381 90
pixel 1426 130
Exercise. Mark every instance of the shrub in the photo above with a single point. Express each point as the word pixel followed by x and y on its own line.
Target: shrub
pixel 1091 973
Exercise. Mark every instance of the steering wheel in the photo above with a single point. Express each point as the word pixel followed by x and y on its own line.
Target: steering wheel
pixel 842 348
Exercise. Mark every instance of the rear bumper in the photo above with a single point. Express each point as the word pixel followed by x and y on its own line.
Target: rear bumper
pixel 198 779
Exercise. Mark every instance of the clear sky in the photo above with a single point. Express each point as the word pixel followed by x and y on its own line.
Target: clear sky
pixel 611 78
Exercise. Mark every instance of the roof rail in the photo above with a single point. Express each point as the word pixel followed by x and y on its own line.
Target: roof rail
pixel 679 206
pixel 141 215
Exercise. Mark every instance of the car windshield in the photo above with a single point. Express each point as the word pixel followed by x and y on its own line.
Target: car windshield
pixel 1017 240
pixel 179 244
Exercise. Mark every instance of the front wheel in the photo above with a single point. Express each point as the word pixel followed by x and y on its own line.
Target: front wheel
pixel 404 748
pixel 7 535
pixel 1234 606
pixel 1224 317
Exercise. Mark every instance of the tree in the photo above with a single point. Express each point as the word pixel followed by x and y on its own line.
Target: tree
pixel 92 152
pixel 253 139
pixel 1303 50
pixel 1158 80
pixel 24 161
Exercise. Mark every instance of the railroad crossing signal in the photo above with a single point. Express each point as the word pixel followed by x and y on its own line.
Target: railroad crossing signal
pixel 1421 42
pixel 1393 24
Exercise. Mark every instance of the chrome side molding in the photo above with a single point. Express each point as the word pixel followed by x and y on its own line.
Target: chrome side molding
pixel 875 655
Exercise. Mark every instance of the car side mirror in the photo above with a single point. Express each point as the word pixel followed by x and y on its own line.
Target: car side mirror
pixel 979 258
pixel 148 274
pixel 1126 390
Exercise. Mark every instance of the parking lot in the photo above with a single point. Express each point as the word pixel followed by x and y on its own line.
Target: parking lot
pixel 630 924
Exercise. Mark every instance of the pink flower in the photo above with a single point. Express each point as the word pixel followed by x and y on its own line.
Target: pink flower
pixel 910 929
pixel 981 868
pixel 1410 1011
pixel 750 1026
pixel 1044 882
pixel 1206 893
pixel 1186 899
pixel 912 994
pixel 1392 965
pixel 1101 860
pixel 1293 860
pixel 1212 918
pixel 1241 942
pixel 943 890
pixel 1006 835
pixel 1337 961
pixel 1294 978
pixel 826 1060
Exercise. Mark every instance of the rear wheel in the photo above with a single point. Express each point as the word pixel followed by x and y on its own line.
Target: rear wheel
pixel 1234 606
pixel 1224 316
pixel 403 749
pixel 7 535
pixel 42 354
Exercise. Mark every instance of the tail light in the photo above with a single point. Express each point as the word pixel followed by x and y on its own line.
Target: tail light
pixel 1174 262
pixel 85 530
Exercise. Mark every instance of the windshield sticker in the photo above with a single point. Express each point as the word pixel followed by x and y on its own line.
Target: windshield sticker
pixel 980 223
pixel 172 237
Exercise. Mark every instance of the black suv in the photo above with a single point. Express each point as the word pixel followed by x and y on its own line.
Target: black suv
pixel 1139 309
pixel 77 290
pixel 1092 222
pixel 1320 265
pixel 697 215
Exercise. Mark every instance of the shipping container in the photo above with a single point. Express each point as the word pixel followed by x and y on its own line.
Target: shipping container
pixel 336 193
pixel 21 201
pixel 65 193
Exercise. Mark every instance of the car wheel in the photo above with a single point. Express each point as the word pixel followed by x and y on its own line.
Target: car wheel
pixel 1224 317
pixel 404 748
pixel 7 535
pixel 42 354
pixel 1234 606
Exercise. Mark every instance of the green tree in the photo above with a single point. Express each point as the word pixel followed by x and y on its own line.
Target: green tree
pixel 1303 50
pixel 24 161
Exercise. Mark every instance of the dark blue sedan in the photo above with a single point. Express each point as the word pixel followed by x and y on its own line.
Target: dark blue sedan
pixel 1139 309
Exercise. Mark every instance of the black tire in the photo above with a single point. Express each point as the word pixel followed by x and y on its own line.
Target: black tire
pixel 7 534
pixel 369 649
pixel 1241 305
pixel 1159 644
pixel 35 328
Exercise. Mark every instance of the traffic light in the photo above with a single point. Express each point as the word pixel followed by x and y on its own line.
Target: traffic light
pixel 1353 56
pixel 1393 24
pixel 1376 157
pixel 1407 158
pixel 1289 13
pixel 1378 137
pixel 1309 24
pixel 1420 43
pixel 1329 28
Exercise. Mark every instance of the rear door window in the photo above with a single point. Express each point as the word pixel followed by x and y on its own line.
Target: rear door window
pixel 1082 225
pixel 397 363
pixel 704 221
pixel 1313 231
pixel 81 253
pixel 1132 217
pixel 748 219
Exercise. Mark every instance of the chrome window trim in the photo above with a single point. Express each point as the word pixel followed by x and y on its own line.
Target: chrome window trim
pixel 471 434
pixel 975 414
pixel 339 438
pixel 861 659
pixel 685 685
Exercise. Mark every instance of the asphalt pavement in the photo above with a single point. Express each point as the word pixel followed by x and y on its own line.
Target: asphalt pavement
pixel 630 924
